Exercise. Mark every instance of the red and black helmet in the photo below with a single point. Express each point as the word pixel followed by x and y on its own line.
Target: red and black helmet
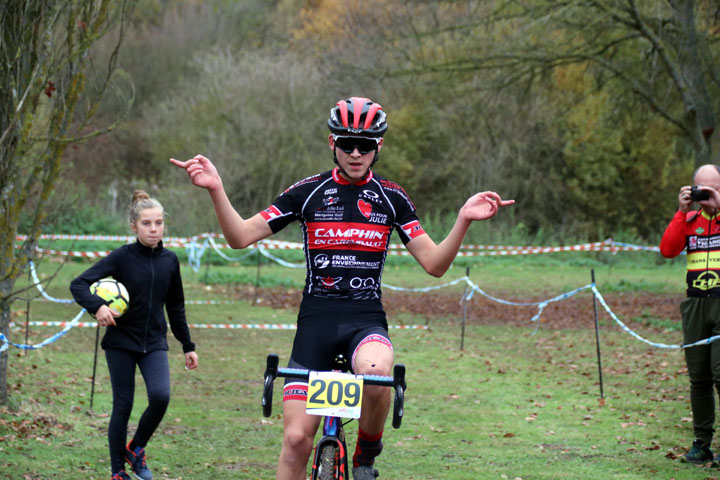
pixel 357 116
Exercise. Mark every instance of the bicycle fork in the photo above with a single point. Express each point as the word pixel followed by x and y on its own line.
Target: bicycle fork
pixel 331 452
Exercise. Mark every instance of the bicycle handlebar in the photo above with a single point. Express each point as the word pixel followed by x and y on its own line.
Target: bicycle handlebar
pixel 397 381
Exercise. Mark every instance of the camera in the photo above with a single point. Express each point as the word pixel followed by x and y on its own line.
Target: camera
pixel 696 194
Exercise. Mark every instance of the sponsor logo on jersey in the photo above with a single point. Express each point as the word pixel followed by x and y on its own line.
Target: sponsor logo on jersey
pixel 413 229
pixel 321 261
pixel 703 243
pixel 371 196
pixel 330 191
pixel 706 281
pixel 352 262
pixel 350 236
pixel 270 213
pixel 392 186
pixel 327 201
pixel 358 283
pixel 365 208
pixel 329 282
pixel 378 218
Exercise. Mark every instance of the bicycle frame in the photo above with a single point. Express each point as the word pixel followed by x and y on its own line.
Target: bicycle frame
pixel 333 434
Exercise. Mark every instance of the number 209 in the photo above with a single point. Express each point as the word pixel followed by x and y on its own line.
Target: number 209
pixel 335 393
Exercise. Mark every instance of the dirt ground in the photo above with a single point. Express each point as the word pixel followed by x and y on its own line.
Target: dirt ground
pixel 573 312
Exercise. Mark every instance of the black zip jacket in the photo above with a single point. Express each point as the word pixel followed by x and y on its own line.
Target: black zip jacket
pixel 152 278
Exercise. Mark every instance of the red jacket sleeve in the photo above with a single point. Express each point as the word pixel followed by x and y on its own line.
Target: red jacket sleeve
pixel 673 240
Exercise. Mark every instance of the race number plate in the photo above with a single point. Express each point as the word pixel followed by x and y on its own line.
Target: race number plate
pixel 334 394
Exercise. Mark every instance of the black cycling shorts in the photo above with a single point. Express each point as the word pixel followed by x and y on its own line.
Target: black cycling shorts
pixel 328 327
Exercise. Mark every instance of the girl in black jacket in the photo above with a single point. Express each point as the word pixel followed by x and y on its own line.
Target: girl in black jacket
pixel 151 275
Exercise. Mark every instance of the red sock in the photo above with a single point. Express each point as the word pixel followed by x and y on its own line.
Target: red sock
pixel 368 447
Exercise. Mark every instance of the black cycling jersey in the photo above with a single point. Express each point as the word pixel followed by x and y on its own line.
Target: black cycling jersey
pixel 346 230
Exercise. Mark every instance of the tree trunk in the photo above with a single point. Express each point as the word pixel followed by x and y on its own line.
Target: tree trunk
pixel 699 116
pixel 6 287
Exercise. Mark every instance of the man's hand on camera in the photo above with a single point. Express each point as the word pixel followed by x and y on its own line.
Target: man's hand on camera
pixel 684 200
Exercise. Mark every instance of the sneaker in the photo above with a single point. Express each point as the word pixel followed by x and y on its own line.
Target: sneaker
pixel 363 472
pixel 137 460
pixel 121 475
pixel 699 453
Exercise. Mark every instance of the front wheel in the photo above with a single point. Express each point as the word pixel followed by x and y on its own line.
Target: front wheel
pixel 327 468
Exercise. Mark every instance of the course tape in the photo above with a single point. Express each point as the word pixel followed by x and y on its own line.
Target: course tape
pixel 600 299
pixel 4 341
pixel 541 306
pixel 38 284
pixel 197 249
pixel 467 296
pixel 231 326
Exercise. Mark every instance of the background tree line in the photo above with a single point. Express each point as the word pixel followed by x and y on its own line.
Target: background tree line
pixel 590 113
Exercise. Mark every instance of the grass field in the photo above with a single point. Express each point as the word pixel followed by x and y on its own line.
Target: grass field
pixel 514 403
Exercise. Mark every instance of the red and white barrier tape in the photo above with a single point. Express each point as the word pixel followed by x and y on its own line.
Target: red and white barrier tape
pixel 232 326
pixel 476 250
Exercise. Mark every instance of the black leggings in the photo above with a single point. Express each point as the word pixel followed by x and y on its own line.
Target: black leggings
pixel 156 372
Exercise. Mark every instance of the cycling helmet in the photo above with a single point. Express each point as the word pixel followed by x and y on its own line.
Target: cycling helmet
pixel 357 116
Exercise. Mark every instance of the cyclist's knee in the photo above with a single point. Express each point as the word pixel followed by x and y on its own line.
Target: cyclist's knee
pixel 297 443
pixel 373 359
pixel 374 366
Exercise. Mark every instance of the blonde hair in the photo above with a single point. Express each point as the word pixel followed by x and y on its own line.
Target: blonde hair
pixel 140 201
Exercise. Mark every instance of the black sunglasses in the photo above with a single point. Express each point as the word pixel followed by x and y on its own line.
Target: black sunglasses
pixel 349 144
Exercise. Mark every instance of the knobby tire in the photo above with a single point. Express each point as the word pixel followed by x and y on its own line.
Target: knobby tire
pixel 327 470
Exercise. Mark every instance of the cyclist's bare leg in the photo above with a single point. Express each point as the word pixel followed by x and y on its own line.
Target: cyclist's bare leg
pixel 374 358
pixel 298 436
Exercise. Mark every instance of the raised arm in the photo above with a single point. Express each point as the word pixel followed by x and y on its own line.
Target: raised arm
pixel 436 259
pixel 239 232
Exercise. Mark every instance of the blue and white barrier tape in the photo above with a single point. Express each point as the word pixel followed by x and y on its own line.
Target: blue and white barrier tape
pixel 4 341
pixel 282 262
pixel 226 257
pixel 424 289
pixel 38 284
pixel 467 296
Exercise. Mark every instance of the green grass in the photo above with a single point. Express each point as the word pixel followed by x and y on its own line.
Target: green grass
pixel 513 404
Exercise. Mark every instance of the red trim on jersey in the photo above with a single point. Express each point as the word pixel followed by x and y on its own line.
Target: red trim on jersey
pixel 413 229
pixel 347 236
pixel 270 213
pixel 339 179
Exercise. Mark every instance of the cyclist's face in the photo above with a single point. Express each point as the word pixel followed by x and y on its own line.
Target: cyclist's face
pixel 354 164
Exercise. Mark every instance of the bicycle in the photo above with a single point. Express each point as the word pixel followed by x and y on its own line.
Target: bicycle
pixel 330 460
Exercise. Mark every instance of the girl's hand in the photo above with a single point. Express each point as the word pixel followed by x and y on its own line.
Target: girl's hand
pixel 105 316
pixel 191 361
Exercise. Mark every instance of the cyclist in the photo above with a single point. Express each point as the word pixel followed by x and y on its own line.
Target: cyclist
pixel 347 215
